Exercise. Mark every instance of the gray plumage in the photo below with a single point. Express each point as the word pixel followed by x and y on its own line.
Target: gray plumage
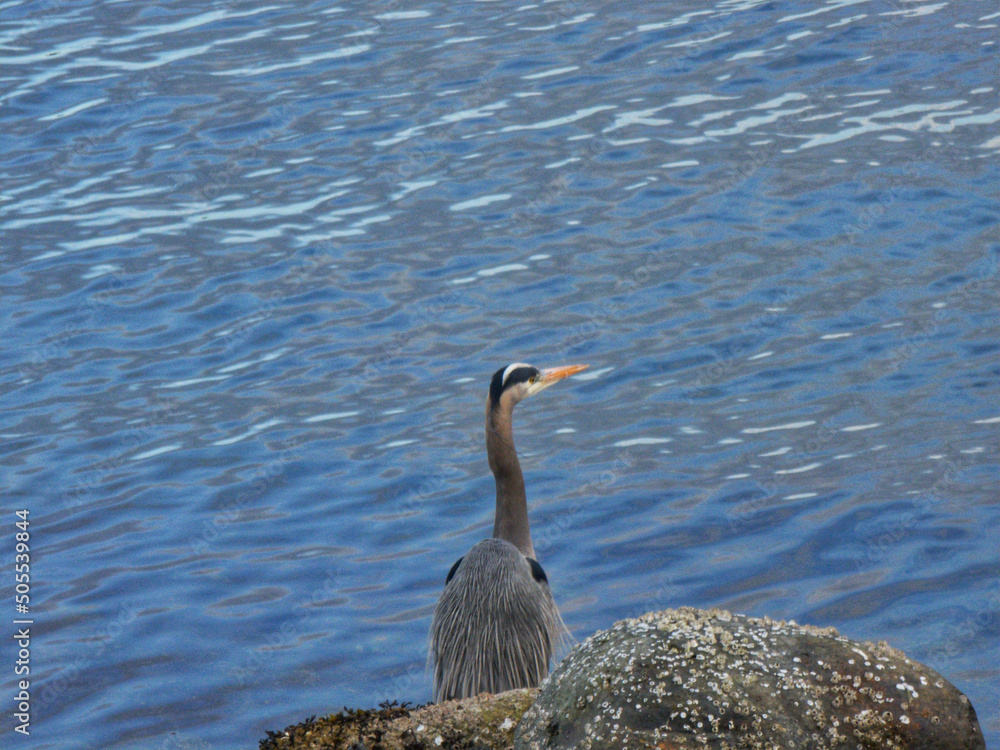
pixel 496 626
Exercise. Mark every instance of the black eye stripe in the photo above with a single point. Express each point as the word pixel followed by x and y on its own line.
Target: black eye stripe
pixel 517 375
pixel 520 375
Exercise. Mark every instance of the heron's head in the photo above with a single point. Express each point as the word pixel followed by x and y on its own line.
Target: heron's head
pixel 516 382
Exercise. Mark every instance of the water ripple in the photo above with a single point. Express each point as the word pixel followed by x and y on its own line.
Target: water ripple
pixel 259 264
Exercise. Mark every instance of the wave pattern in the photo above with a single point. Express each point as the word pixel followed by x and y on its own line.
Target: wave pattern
pixel 258 264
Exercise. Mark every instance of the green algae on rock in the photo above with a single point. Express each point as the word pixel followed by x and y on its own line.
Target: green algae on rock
pixel 689 678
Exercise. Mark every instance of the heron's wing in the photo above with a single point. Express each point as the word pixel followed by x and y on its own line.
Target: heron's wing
pixel 451 573
pixel 496 625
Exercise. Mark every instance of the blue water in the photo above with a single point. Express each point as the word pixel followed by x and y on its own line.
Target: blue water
pixel 260 261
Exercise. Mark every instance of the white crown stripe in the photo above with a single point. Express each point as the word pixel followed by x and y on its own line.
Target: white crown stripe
pixel 511 369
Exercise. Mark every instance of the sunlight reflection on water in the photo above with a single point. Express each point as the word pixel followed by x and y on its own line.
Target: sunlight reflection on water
pixel 260 264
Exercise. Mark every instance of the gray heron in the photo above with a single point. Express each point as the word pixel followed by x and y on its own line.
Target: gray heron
pixel 496 625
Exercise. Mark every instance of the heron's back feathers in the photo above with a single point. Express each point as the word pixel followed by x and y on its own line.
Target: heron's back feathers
pixel 496 625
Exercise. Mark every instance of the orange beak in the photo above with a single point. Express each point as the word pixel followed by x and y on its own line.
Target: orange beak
pixel 552 374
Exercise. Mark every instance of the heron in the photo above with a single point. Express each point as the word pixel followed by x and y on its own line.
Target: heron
pixel 496 625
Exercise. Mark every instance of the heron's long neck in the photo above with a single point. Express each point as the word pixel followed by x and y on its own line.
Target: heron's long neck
pixel 511 520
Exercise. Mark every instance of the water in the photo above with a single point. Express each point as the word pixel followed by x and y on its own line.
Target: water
pixel 260 261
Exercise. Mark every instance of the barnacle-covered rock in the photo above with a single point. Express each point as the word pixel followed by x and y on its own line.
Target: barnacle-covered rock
pixel 690 678
pixel 484 722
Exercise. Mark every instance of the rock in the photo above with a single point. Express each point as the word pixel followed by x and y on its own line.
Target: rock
pixel 689 678
pixel 486 722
